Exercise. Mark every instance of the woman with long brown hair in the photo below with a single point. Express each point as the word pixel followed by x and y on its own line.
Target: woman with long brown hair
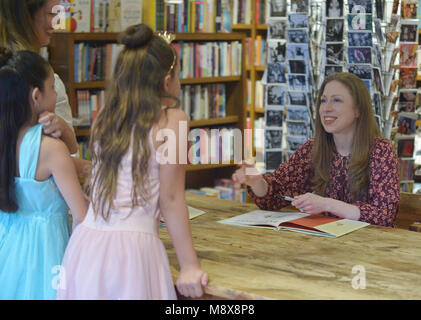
pixel 347 170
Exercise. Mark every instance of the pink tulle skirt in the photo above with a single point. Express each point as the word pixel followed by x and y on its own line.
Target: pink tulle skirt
pixel 123 265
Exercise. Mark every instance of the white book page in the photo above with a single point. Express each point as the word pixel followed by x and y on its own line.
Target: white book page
pixel 263 218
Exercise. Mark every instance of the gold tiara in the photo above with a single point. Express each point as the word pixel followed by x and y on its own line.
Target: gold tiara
pixel 167 36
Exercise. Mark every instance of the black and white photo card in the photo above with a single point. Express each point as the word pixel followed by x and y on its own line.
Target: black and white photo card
pixel 297 66
pixel 297 35
pixel 334 8
pixel 276 51
pixel 273 139
pixel 275 95
pixel 297 98
pixel 277 28
pixel 297 51
pixel 298 20
pixel 297 82
pixel 298 113
pixel 334 30
pixel 278 8
pixel 276 73
pixel 274 116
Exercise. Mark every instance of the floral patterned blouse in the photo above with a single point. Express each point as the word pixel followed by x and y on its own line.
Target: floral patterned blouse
pixel 293 178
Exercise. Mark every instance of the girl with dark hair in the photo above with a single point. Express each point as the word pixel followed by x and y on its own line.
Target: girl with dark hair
pixel 36 174
pixel 29 25
pixel 347 170
pixel 116 252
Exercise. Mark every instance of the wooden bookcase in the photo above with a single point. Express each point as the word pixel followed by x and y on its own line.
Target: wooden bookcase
pixel 254 73
pixel 61 55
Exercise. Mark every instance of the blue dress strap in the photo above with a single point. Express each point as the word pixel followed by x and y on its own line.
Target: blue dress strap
pixel 29 152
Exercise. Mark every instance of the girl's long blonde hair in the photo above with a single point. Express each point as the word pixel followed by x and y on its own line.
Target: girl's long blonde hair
pixel 132 107
pixel 365 133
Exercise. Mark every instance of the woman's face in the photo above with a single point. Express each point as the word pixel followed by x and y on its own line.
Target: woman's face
pixel 337 110
pixel 43 21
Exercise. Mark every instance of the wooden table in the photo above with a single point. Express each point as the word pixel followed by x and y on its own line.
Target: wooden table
pixel 253 263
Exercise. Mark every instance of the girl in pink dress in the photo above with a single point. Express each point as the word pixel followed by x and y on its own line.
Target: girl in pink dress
pixel 116 252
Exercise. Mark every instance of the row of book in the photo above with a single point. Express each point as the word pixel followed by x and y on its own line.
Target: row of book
pixel 209 59
pixel 94 62
pixel 98 15
pixel 259 94
pixel 189 15
pixel 88 104
pixel 242 11
pixel 260 56
pixel 225 189
pixel 214 146
pixel 204 101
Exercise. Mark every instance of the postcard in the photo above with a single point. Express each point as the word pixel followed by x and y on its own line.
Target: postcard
pixel 275 95
pixel 359 55
pixel 297 35
pixel 360 22
pixel 273 139
pixel 277 28
pixel 334 30
pixel 408 55
pixel 363 71
pixel 360 39
pixel 334 8
pixel 408 78
pixel 274 116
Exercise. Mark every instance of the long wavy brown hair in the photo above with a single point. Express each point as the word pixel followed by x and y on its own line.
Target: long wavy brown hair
pixel 17 29
pixel 365 133
pixel 132 107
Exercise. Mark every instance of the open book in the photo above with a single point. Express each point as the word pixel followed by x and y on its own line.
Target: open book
pixel 193 213
pixel 316 224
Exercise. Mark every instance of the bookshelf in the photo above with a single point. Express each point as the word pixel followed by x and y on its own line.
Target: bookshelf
pixel 254 72
pixel 62 59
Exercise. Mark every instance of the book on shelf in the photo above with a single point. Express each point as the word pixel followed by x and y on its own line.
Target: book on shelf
pixel 204 101
pixel 88 104
pixel 94 62
pixel 261 11
pixel 131 13
pixel 77 16
pixel 316 224
pixel 209 59
pixel 259 95
pixel 241 11
pixel 212 146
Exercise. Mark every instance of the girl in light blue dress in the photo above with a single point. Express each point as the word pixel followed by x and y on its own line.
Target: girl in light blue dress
pixel 38 182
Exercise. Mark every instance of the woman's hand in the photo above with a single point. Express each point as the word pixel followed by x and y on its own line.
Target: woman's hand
pixel 53 125
pixel 191 281
pixel 246 174
pixel 310 203
pixel 249 175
